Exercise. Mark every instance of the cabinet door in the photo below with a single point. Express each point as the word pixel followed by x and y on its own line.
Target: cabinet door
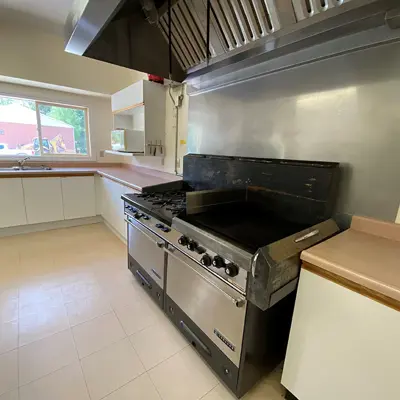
pixel 100 193
pixel 105 191
pixel 128 96
pixel 342 345
pixel 111 204
pixel 78 197
pixel 117 208
pixel 12 207
pixel 43 199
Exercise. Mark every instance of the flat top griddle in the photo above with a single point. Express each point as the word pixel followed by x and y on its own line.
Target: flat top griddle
pixel 245 224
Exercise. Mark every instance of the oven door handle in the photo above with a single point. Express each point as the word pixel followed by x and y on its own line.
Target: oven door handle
pixel 238 302
pixel 160 244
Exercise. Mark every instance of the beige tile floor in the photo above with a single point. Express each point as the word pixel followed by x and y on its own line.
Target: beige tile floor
pixel 74 325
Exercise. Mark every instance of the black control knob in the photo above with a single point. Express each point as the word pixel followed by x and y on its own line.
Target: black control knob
pixel 138 215
pixel 192 245
pixel 206 260
pixel 231 270
pixel 218 262
pixel 183 240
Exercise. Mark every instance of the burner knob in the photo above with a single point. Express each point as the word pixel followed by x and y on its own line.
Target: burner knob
pixel 138 215
pixel 206 260
pixel 192 245
pixel 218 262
pixel 231 270
pixel 183 240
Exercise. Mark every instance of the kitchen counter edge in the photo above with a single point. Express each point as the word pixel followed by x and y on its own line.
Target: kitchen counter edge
pixel 136 180
pixel 341 260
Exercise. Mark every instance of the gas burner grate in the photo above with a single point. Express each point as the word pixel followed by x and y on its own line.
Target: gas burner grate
pixel 173 201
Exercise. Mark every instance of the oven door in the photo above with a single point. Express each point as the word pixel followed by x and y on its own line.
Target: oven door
pixel 217 309
pixel 146 249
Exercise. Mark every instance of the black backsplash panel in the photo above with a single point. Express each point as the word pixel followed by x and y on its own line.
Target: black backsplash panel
pixel 303 191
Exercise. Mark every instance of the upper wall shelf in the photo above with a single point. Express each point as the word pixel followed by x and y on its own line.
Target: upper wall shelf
pixel 122 153
pixel 128 110
pixel 139 110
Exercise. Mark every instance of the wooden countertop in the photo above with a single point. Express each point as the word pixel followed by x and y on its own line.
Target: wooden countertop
pixel 365 258
pixel 136 178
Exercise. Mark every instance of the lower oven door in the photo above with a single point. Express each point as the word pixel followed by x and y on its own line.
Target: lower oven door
pixel 216 308
pixel 146 249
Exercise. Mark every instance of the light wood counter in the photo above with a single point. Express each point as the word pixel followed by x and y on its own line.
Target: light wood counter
pixel 365 258
pixel 136 178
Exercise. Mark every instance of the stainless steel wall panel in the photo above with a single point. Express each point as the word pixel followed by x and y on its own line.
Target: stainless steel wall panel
pixel 344 109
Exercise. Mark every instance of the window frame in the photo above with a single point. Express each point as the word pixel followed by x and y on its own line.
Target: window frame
pixel 52 157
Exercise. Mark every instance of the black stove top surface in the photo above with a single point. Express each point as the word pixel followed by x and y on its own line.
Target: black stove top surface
pixel 247 225
pixel 161 205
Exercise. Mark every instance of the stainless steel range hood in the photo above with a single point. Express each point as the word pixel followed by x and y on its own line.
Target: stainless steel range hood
pixel 242 33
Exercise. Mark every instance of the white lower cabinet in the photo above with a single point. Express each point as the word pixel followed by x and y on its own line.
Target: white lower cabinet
pixel 43 199
pixel 39 200
pixel 110 204
pixel 12 206
pixel 79 198
pixel 342 344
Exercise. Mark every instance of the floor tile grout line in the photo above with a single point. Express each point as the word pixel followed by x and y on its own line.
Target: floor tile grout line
pixel 46 375
pixel 103 348
pixel 167 359
pixel 160 362
pixel 202 397
pixel 49 373
pixel 80 364
pixel 136 377
pixel 125 384
pixel 155 386
pixel 46 337
pixel 134 333
pixel 89 320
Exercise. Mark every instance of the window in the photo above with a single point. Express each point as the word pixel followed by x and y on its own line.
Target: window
pixel 34 128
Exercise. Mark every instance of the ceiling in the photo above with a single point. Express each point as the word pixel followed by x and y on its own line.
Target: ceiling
pixel 50 12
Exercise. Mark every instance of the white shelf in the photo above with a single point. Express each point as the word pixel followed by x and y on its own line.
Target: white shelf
pixel 123 153
pixel 126 154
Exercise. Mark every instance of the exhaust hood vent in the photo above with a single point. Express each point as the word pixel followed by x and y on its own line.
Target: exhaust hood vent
pixel 307 8
pixel 134 33
pixel 234 24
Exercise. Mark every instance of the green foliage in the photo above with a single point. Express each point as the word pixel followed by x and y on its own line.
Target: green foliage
pixel 71 116
pixel 5 101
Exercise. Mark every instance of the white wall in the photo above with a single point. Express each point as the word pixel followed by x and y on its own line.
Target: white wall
pixel 100 117
pixel 31 54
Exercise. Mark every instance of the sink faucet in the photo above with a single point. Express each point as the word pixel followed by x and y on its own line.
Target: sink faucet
pixel 22 162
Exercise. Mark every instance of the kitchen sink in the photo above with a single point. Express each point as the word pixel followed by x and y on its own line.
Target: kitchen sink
pixel 40 168
pixel 26 168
